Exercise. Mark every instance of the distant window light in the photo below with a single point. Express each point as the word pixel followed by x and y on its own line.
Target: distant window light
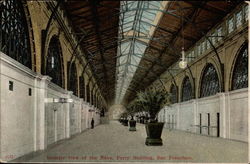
pixel 199 50
pixel 230 25
pixel 208 44
pixel 195 51
pixel 246 12
pixel 219 32
pixel 192 54
pixel 11 85
pixel 239 19
pixel 204 46
pixel 189 59
pixel 52 62
pixel 214 38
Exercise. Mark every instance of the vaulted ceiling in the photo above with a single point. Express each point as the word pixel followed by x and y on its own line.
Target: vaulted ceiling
pixel 101 30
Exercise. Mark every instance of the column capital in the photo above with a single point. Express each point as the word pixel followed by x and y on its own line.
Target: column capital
pixel 45 78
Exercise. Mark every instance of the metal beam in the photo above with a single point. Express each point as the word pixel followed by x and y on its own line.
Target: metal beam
pixel 206 7
pixel 96 23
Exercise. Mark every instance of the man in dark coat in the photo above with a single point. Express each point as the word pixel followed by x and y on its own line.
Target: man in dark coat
pixel 92 123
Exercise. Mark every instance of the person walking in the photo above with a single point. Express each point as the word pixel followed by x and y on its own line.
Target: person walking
pixel 92 123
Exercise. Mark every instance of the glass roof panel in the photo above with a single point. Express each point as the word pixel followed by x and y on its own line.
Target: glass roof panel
pixel 136 20
pixel 123 59
pixel 128 25
pixel 135 60
pixel 125 47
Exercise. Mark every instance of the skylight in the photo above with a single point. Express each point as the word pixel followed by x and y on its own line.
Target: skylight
pixel 137 23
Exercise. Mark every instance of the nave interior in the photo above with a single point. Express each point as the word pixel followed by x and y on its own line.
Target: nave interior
pixel 144 78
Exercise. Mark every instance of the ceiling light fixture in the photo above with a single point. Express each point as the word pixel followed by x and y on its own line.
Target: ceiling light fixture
pixel 183 62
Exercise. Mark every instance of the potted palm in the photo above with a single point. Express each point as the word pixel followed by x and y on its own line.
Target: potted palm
pixel 132 108
pixel 152 102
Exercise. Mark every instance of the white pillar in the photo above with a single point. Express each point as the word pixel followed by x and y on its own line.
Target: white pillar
pixel 87 115
pixel 55 119
pixel 41 104
pixel 178 116
pixel 79 109
pixel 195 115
pixel 165 116
pixel 36 118
pixel 80 115
pixel 68 106
pixel 224 118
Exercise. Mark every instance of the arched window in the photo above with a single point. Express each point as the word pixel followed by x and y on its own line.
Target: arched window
pixel 82 87
pixel 14 34
pixel 92 96
pixel 173 92
pixel 72 81
pixel 54 61
pixel 186 90
pixel 209 82
pixel 96 99
pixel 240 72
pixel 88 93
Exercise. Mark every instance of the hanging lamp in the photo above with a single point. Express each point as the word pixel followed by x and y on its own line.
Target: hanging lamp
pixel 183 62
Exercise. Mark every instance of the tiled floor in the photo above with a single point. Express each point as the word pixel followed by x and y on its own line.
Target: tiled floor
pixel 113 142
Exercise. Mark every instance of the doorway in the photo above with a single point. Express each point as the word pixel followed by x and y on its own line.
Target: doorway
pixel 200 124
pixel 218 124
pixel 208 124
